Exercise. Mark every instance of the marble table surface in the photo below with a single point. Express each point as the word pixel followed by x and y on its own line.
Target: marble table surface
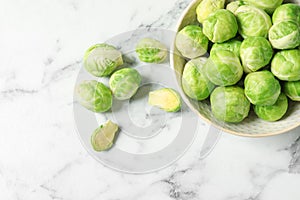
pixel 41 157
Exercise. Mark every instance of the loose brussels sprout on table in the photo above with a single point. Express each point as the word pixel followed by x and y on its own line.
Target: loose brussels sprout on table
pixel 94 96
pixel 191 42
pixel 261 88
pixel 231 45
pixel 151 51
pixel 292 90
pixel 285 12
pixel 253 21
pixel 223 68
pixel 286 65
pixel 195 84
pixel 166 99
pixel 124 83
pixel 229 104
pixel 102 59
pixel 273 112
pixel 103 137
pixel 206 7
pixel 285 35
pixel 268 5
pixel 220 26
pixel 256 52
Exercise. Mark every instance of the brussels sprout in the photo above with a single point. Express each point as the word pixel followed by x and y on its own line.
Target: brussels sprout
pixel 195 84
pixel 166 99
pixel 261 88
pixel 191 42
pixel 220 26
pixel 285 35
pixel 253 21
pixel 94 96
pixel 102 59
pixel 287 11
pixel 103 137
pixel 223 68
pixel 151 51
pixel 256 52
pixel 124 83
pixel 268 5
pixel 292 90
pixel 229 104
pixel 274 112
pixel 286 65
pixel 206 7
pixel 231 45
pixel 233 6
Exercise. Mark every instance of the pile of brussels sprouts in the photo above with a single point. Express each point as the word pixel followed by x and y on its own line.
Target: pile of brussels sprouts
pixel 254 57
pixel 103 60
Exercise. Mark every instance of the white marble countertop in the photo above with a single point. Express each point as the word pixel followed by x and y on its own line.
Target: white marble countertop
pixel 41 158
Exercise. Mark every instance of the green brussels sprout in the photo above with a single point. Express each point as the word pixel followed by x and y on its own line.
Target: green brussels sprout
pixel 253 21
pixel 285 35
pixel 234 5
pixel 256 52
pixel 229 104
pixel 220 26
pixel 262 88
pixel 206 7
pixel 103 137
pixel 285 12
pixel 286 65
pixel 195 84
pixel 102 59
pixel 231 45
pixel 292 90
pixel 268 5
pixel 223 68
pixel 151 51
pixel 94 96
pixel 274 112
pixel 166 99
pixel 191 42
pixel 124 83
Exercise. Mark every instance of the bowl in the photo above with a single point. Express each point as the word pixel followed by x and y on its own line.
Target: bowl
pixel 252 126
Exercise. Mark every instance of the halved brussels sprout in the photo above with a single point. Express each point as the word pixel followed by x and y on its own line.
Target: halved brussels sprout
pixel 166 99
pixel 220 26
pixel 206 7
pixel 103 137
pixel 292 90
pixel 223 68
pixel 102 59
pixel 94 96
pixel 191 42
pixel 253 21
pixel 274 112
pixel 285 12
pixel 285 35
pixel 229 104
pixel 124 83
pixel 151 51
pixel 195 84
pixel 268 5
pixel 262 88
pixel 256 52
pixel 234 5
pixel 286 65
pixel 231 45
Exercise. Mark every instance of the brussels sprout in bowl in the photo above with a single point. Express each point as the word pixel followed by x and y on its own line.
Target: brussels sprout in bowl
pixel 252 125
